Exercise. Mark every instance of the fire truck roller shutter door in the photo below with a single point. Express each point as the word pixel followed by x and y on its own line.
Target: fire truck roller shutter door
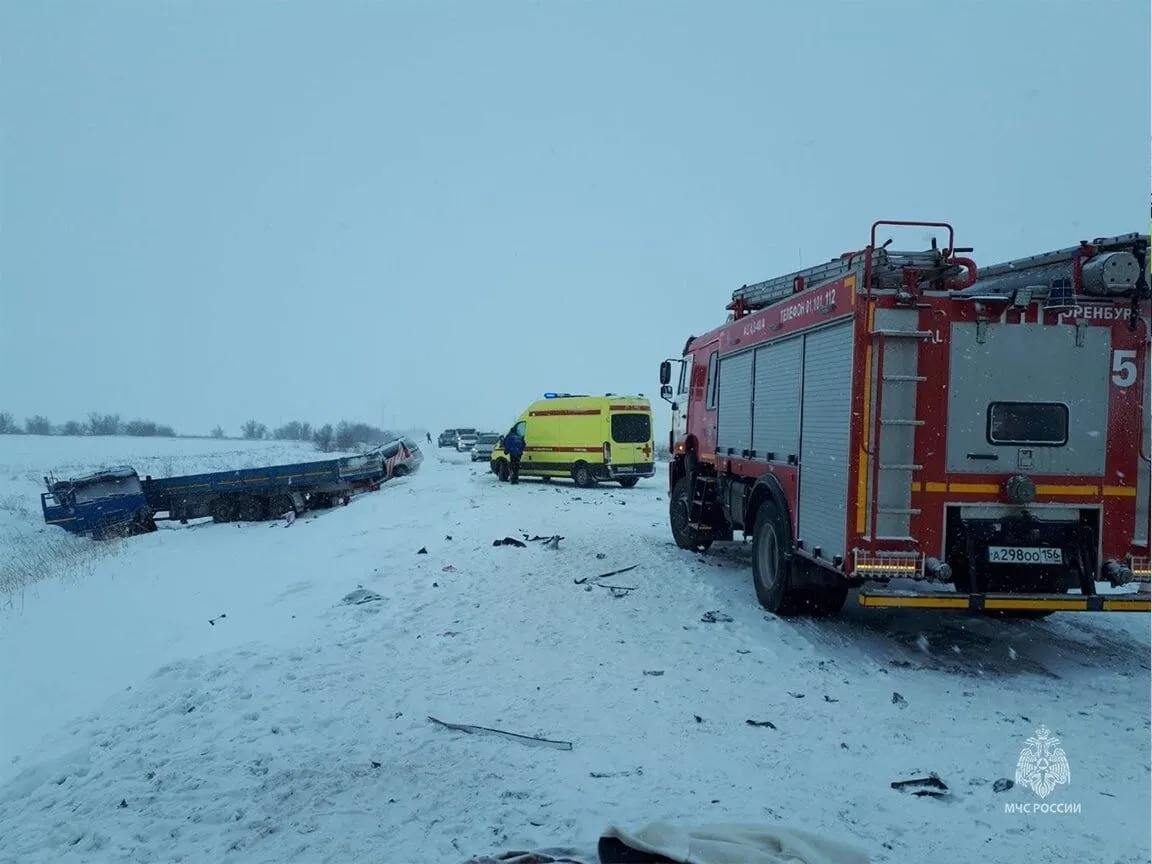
pixel 826 416
pixel 734 408
pixel 776 410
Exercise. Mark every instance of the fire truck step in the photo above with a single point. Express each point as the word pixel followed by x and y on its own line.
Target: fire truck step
pixel 915 379
pixel 900 467
pixel 890 598
pixel 903 334
pixel 900 422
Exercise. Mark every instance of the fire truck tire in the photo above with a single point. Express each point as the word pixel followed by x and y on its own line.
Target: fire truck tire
pixel 582 475
pixel 679 507
pixel 771 567
pixel 826 601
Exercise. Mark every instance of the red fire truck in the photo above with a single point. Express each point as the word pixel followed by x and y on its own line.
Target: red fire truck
pixel 905 416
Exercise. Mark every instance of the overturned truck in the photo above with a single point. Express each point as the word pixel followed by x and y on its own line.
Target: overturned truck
pixel 905 416
pixel 116 502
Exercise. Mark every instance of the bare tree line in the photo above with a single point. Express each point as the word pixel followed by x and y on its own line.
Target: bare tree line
pixel 96 424
pixel 343 436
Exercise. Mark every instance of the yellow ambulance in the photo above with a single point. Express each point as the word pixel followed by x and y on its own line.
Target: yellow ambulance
pixel 587 438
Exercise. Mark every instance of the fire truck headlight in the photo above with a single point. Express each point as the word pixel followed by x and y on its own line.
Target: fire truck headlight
pixel 1020 489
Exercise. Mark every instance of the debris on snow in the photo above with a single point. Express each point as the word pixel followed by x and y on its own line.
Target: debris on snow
pixel 509 541
pixel 604 775
pixel 795 695
pixel 716 617
pixel 584 579
pixel 360 596
pixel 897 699
pixel 447 568
pixel 524 739
pixel 422 551
pixel 767 723
pixel 655 673
pixel 544 856
pixel 923 787
pixel 1003 785
pixel 213 621
pixel 617 590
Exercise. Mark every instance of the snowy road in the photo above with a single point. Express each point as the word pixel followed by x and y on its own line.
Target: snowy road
pixel 294 728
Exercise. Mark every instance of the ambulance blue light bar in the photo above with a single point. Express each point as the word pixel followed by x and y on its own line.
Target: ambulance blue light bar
pixel 551 395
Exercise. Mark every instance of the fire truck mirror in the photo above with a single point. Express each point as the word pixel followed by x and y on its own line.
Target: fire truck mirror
pixel 666 392
pixel 665 374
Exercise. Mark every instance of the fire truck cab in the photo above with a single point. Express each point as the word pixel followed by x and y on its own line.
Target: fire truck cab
pixel 905 416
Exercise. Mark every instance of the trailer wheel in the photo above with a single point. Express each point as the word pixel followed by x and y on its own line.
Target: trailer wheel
pixel 251 509
pixel 628 482
pixel 221 510
pixel 582 475
pixel 771 565
pixel 679 510
pixel 282 504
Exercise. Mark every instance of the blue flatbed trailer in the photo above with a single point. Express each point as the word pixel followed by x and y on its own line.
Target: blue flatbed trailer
pixel 115 502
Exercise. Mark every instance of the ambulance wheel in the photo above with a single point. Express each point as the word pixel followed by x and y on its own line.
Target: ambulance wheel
pixel 679 510
pixel 502 471
pixel 771 566
pixel 628 482
pixel 582 475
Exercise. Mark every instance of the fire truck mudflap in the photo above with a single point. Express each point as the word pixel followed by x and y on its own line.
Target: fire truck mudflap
pixel 894 416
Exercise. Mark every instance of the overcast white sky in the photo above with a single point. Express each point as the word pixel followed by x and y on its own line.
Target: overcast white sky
pixel 431 213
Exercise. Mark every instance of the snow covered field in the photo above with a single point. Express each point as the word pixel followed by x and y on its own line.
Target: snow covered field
pixel 202 694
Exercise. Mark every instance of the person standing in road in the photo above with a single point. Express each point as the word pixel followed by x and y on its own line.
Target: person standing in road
pixel 429 436
pixel 514 444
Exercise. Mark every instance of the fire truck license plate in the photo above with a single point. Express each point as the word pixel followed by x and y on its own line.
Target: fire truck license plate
pixel 1024 555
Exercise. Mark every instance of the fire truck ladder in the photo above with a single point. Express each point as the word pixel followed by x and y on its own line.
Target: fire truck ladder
pixel 887 272
pixel 897 478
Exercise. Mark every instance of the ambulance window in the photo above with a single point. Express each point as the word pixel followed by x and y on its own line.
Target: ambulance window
pixel 631 428
pixel 521 427
pixel 713 363
pixel 1040 424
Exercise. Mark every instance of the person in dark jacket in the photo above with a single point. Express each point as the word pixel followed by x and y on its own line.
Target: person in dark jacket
pixel 514 444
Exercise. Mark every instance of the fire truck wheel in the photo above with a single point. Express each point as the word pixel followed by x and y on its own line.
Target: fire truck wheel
pixel 770 567
pixel 826 601
pixel 679 509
